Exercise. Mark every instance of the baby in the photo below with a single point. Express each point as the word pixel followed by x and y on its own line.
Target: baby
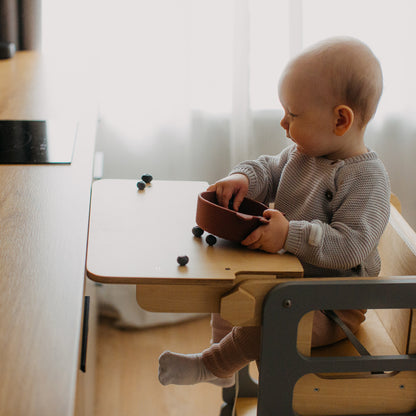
pixel 333 190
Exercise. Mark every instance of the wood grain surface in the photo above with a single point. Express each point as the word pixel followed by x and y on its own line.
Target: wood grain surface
pixel 136 237
pixel 44 223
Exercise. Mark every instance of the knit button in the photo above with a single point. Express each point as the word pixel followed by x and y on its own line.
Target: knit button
pixel 328 195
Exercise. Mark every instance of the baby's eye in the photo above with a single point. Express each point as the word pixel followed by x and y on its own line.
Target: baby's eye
pixel 292 115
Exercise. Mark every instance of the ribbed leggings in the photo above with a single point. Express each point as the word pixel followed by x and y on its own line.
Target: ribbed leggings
pixel 233 348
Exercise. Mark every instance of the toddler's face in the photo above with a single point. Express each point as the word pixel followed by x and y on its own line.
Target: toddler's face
pixel 308 118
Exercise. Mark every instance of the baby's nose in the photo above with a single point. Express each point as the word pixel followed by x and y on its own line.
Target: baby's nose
pixel 284 123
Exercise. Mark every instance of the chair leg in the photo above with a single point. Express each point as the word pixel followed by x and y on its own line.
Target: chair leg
pixel 226 409
pixel 245 387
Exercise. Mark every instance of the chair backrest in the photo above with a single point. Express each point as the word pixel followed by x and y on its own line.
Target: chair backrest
pixel 397 247
pixel 397 250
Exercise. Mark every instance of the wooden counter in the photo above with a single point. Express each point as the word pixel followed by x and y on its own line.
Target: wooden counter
pixel 44 213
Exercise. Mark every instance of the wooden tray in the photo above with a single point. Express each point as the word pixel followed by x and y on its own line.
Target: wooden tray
pixel 136 237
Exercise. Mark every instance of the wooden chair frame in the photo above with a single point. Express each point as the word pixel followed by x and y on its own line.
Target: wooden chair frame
pixel 292 381
pixel 284 366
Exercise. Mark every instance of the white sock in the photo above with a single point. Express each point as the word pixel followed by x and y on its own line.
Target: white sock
pixel 186 369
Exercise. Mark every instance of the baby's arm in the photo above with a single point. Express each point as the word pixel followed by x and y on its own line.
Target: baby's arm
pixel 360 213
pixel 258 179
pixel 235 185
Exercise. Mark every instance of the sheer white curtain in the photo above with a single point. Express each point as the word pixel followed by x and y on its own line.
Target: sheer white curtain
pixel 176 92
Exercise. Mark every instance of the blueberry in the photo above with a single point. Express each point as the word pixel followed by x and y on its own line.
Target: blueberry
pixel 211 239
pixel 147 177
pixel 141 185
pixel 197 231
pixel 182 260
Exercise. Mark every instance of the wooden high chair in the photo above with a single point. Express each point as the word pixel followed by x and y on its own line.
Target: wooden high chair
pixel 335 380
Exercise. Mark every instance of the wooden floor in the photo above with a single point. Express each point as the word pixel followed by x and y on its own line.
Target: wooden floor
pixel 126 374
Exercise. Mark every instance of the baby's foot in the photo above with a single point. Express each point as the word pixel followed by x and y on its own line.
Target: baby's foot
pixel 223 382
pixel 186 369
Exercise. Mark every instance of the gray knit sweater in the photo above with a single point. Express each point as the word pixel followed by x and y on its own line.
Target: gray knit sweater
pixel 337 210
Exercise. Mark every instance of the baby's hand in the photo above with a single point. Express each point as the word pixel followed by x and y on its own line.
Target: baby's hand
pixel 270 237
pixel 235 185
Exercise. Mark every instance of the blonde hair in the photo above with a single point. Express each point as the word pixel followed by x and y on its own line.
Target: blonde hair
pixel 354 74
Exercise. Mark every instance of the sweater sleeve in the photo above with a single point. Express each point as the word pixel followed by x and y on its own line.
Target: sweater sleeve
pixel 360 212
pixel 264 175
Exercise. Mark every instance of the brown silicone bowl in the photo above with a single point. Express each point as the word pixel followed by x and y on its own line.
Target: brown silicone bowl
pixel 227 223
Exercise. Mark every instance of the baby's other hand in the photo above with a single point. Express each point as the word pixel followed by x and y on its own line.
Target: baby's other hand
pixel 270 237
pixel 235 185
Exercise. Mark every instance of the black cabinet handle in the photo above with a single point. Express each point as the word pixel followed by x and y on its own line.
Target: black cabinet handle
pixel 85 334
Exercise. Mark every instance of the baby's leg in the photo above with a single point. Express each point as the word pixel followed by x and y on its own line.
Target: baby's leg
pixel 233 352
pixel 326 332
pixel 186 369
pixel 220 328
pixel 217 364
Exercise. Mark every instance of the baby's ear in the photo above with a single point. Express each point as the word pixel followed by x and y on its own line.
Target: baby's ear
pixel 343 119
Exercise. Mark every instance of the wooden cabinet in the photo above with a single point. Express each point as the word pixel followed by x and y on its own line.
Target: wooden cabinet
pixel 44 212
